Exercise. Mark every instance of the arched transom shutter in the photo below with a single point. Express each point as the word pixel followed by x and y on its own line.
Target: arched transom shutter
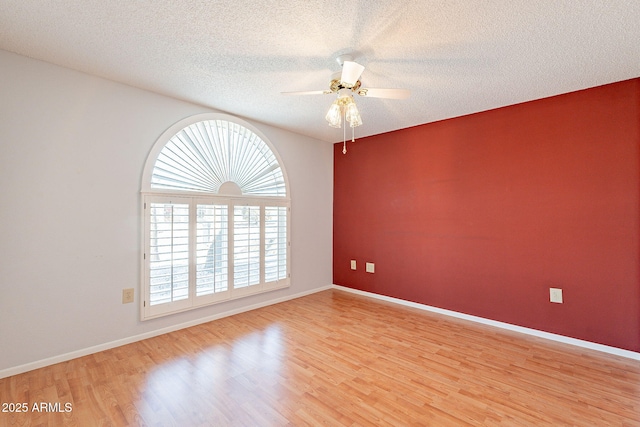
pixel 207 154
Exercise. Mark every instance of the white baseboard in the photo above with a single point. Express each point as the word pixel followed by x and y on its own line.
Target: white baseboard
pixel 106 346
pixel 534 332
pixel 113 344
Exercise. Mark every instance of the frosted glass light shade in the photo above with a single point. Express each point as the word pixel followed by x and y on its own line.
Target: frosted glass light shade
pixel 352 115
pixel 334 115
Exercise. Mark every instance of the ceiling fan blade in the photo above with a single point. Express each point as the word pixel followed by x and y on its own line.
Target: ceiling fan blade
pixel 351 72
pixel 373 92
pixel 308 92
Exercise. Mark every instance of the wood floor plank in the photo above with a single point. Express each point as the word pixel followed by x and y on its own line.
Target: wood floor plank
pixel 336 359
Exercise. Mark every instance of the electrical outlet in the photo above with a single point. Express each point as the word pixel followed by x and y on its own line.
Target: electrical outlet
pixel 353 264
pixel 370 267
pixel 127 295
pixel 555 295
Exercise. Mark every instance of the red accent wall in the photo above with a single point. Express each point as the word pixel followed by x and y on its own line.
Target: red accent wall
pixel 482 214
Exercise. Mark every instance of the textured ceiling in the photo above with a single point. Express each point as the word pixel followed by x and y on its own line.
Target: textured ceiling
pixel 456 57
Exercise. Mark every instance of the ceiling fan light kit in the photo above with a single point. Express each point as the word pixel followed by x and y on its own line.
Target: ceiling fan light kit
pixel 344 108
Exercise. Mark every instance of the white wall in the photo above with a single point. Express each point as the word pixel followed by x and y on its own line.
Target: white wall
pixel 72 150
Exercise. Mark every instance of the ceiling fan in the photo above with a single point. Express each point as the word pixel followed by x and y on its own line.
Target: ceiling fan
pixel 345 84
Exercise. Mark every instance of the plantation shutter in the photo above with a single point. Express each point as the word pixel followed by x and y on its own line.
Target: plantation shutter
pixel 216 218
pixel 246 246
pixel 275 262
pixel 168 252
pixel 212 265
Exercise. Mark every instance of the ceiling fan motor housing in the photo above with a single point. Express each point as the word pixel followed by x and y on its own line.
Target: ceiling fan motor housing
pixel 337 84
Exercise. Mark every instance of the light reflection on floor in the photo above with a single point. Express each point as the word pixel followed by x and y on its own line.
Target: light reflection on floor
pixel 208 385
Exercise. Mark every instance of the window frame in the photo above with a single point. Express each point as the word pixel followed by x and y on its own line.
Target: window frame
pixel 194 198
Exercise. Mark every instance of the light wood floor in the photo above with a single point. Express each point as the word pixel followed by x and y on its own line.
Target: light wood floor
pixel 334 359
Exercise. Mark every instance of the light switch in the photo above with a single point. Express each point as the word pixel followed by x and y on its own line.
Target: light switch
pixel 127 295
pixel 353 264
pixel 370 267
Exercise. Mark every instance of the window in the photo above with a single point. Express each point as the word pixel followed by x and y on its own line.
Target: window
pixel 215 216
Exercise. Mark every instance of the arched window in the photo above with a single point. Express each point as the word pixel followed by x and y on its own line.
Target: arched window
pixel 216 216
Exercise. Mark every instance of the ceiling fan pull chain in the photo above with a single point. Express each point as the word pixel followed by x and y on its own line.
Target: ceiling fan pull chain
pixel 344 134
